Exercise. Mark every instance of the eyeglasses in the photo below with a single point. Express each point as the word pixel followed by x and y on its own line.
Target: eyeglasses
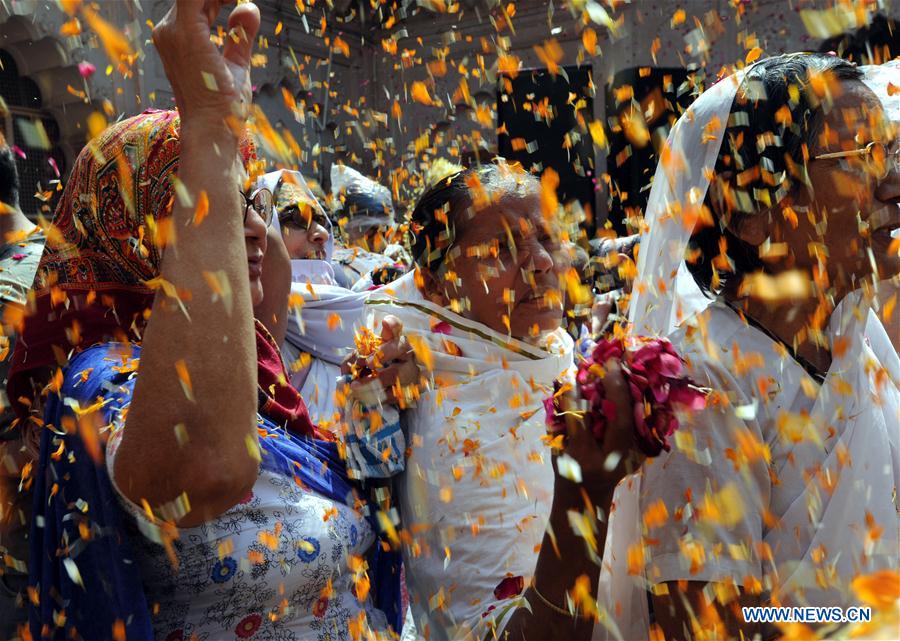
pixel 879 159
pixel 262 201
pixel 302 218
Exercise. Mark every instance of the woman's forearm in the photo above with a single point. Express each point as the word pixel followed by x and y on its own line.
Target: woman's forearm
pixel 191 422
pixel 564 560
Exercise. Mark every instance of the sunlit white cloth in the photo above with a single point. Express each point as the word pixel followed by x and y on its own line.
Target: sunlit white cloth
pixel 319 336
pixel 821 510
pixel 806 470
pixel 479 481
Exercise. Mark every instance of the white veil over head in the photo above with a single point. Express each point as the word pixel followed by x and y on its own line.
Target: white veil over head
pixel 665 292
pixel 877 78
pixel 665 295
pixel 303 270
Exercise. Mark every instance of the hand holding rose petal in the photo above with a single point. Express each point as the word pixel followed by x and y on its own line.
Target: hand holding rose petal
pixel 657 383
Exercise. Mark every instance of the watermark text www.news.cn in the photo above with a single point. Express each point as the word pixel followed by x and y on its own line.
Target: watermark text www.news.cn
pixel 806 615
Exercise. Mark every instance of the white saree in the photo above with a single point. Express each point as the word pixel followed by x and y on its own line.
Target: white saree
pixel 785 485
pixel 478 484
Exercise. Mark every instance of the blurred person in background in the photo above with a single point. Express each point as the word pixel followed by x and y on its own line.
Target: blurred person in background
pixel 368 253
pixel 20 253
pixel 612 261
pixel 576 317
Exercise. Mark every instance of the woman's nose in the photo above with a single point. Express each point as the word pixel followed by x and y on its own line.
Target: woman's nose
pixel 254 225
pixel 318 234
pixel 541 258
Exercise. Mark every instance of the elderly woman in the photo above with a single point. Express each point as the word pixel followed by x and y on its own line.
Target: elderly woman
pixel 483 312
pixel 182 490
pixel 320 326
pixel 784 491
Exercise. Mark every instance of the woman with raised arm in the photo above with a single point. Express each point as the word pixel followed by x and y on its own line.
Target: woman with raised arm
pixel 182 490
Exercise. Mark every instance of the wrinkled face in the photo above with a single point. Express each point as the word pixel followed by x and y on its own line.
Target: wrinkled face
pixel 255 241
pixel 504 269
pixel 305 233
pixel 854 207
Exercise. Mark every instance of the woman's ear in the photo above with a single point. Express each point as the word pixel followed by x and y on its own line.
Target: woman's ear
pixel 431 286
pixel 752 228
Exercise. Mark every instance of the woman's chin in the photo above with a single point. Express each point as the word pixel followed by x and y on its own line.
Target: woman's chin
pixel 256 292
pixel 535 327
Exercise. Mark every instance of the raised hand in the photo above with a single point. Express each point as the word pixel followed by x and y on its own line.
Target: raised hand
pixel 604 464
pixel 394 364
pixel 211 86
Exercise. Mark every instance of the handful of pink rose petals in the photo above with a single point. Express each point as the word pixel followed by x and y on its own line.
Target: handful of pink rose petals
pixel 654 372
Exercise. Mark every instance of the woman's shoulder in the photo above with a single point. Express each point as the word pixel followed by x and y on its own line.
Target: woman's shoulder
pixel 98 370
pixel 719 346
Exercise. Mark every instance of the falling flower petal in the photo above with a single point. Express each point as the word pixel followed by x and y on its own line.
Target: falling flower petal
pixel 86 69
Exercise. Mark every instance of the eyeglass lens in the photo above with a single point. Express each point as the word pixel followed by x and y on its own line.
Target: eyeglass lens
pixel 261 201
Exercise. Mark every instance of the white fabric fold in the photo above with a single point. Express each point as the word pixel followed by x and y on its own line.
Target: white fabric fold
pixel 829 513
pixel 323 328
pixel 479 482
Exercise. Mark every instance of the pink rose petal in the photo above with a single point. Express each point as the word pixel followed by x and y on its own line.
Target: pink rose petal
pixel 509 587
pixel 86 69
pixel 442 327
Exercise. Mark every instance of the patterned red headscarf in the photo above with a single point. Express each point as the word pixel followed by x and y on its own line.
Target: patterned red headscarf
pixel 104 245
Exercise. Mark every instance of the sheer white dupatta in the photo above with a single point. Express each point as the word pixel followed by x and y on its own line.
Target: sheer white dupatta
pixel 665 296
pixel 664 293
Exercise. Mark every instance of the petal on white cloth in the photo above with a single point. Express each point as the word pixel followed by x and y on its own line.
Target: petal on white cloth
pixel 478 474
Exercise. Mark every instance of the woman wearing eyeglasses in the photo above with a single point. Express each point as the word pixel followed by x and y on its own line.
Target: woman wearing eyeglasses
pixel 182 490
pixel 769 230
pixel 313 343
pixel 496 536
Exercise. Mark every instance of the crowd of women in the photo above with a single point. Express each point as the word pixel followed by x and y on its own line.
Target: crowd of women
pixel 233 427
